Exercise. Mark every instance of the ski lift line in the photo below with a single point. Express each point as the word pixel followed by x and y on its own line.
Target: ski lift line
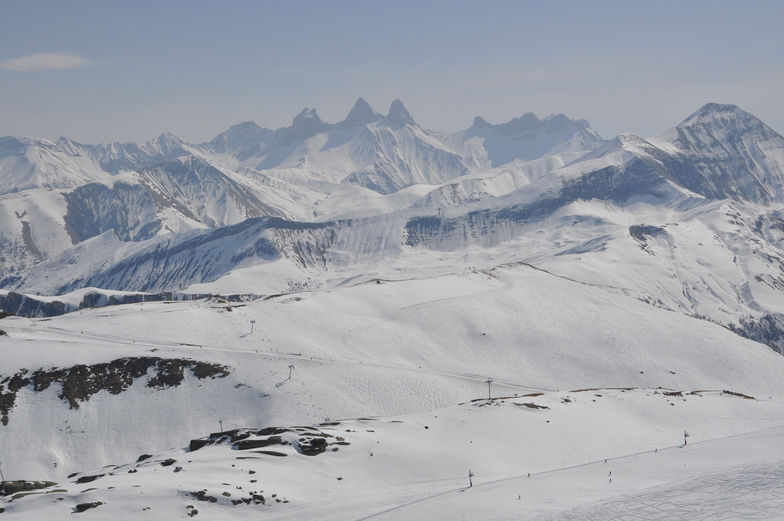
pixel 465 376
pixel 561 469
pixel 177 345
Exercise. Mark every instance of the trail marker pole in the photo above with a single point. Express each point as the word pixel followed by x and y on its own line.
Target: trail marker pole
pixel 221 424
pixel 291 368
pixel 685 435
pixel 470 481
pixel 488 382
pixel 251 325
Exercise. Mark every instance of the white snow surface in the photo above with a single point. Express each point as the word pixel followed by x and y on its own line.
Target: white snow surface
pixel 401 269
pixel 407 351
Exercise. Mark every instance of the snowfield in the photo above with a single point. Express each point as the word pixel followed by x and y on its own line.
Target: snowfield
pixel 369 320
pixel 614 374
pixel 568 455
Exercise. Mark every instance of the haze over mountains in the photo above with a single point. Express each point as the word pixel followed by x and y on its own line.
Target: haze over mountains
pixel 690 220
pixel 371 267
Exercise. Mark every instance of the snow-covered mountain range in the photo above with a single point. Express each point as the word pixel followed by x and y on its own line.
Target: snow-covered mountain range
pixel 690 220
pixel 377 268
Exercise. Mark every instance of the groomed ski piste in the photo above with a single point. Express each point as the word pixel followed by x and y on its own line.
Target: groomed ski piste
pixel 371 402
pixel 596 454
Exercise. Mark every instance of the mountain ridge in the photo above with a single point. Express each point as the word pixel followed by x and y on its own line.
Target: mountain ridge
pixel 357 200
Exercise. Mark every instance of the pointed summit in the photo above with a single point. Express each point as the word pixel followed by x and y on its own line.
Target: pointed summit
pixel 361 114
pixel 721 115
pixel 399 114
pixel 167 137
pixel 714 108
pixel 306 124
pixel 528 122
pixel 729 154
pixel 307 118
pixel 242 140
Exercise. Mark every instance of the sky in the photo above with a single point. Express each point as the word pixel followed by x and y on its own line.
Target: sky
pixel 102 71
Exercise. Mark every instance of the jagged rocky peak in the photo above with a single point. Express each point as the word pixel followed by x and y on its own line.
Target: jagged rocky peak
pixel 725 118
pixel 556 122
pixel 636 145
pixel 713 109
pixel 731 154
pixel 240 131
pixel 307 118
pixel 243 129
pixel 68 146
pixel 528 122
pixel 627 138
pixel 306 124
pixel 167 141
pixel 361 114
pixel 716 123
pixel 241 137
pixel 399 114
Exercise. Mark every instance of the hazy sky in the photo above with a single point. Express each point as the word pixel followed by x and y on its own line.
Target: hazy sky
pixel 105 71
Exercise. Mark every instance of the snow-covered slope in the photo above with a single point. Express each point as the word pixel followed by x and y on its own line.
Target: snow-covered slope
pixel 365 165
pixel 383 154
pixel 38 163
pixel 27 163
pixel 106 385
pixel 399 270
pixel 196 189
pixel 570 455
pixel 621 216
pixel 526 138
pixel 370 349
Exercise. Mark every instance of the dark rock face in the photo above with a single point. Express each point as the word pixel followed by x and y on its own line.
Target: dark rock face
pixel 244 140
pixel 609 184
pixel 766 330
pixel 127 209
pixel 313 446
pixel 21 305
pixel 166 263
pixel 257 444
pixel 12 487
pixel 89 479
pixel 81 507
pixel 719 154
pixel 17 304
pixel 186 183
pixel 197 259
pixel 361 114
pixel 399 114
pixel 306 124
pixel 310 441
pixel 202 496
pixel 115 157
pixel 80 382
pixel 641 232
pixel 197 444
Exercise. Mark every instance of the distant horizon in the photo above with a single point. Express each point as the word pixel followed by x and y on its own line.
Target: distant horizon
pixel 165 132
pixel 99 72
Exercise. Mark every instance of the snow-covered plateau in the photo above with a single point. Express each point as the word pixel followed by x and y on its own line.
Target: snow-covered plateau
pixel 343 321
